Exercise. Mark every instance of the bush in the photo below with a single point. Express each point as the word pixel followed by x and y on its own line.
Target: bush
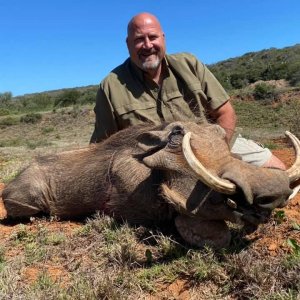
pixel 5 98
pixel 69 97
pixel 294 78
pixel 9 121
pixel 4 112
pixel 88 97
pixel 238 81
pixel 263 91
pixel 31 118
pixel 37 102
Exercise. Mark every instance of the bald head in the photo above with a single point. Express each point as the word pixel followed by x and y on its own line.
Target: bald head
pixel 141 20
pixel 146 42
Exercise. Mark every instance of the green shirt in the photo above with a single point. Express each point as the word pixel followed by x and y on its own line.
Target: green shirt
pixel 124 98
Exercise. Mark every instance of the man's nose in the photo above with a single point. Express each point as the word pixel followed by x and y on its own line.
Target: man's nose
pixel 147 43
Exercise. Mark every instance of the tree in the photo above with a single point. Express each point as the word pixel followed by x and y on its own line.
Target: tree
pixel 67 98
pixel 5 99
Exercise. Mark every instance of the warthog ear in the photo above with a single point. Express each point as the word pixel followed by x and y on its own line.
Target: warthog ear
pixel 152 140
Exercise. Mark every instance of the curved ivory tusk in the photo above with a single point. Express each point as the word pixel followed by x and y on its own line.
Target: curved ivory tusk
pixel 276 204
pixel 294 171
pixel 294 193
pixel 272 205
pixel 214 182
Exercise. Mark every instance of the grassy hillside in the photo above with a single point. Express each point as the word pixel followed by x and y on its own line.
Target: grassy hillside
pixel 269 64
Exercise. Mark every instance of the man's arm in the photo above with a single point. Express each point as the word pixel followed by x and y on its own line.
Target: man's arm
pixel 105 124
pixel 225 116
pixel 219 108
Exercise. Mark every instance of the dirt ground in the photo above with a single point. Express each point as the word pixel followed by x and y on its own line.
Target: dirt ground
pixel 270 239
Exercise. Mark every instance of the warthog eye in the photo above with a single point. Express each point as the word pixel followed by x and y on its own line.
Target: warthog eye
pixel 175 136
pixel 177 130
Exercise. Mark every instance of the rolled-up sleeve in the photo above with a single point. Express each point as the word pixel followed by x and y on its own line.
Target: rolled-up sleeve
pixel 215 93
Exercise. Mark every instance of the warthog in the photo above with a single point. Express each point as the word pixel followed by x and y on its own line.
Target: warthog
pixel 180 172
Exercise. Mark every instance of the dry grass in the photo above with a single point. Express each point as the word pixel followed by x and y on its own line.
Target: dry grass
pixel 101 259
pixel 62 130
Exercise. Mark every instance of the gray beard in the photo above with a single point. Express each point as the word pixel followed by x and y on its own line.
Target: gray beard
pixel 151 65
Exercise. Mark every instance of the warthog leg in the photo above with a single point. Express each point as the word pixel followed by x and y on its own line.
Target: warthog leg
pixel 20 209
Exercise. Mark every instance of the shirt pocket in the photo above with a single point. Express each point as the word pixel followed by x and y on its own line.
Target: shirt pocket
pixel 130 107
pixel 184 105
pixel 136 113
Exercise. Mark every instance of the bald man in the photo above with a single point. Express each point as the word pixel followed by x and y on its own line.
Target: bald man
pixel 152 86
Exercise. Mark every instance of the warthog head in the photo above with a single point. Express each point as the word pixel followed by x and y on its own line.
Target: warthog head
pixel 181 171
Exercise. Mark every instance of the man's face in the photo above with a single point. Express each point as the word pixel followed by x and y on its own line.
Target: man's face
pixel 146 44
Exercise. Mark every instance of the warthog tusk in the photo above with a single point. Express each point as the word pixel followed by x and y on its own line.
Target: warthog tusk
pixel 214 182
pixel 276 203
pixel 294 193
pixel 294 171
pixel 271 205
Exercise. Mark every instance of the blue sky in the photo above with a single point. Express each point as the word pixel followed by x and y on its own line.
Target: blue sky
pixel 47 45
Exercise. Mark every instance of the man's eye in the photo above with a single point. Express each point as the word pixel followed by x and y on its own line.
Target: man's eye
pixel 152 38
pixel 138 40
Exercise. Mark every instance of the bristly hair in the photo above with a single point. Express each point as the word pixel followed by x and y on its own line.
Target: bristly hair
pixel 126 137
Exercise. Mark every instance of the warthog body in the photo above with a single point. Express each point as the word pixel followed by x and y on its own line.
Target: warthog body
pixel 141 175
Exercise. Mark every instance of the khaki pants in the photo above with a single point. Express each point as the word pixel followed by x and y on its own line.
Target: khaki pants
pixel 250 151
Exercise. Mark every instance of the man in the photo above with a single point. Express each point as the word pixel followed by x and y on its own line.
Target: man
pixel 152 86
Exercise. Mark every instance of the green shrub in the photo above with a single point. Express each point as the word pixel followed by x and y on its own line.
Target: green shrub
pixel 263 91
pixel 9 121
pixel 31 118
pixel 5 99
pixel 88 97
pixel 43 101
pixel 67 98
pixel 4 112
pixel 36 102
pixel 238 80
pixel 46 130
pixel 294 78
